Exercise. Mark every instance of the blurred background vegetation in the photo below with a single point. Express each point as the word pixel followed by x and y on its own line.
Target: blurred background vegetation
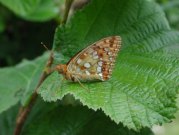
pixel 22 30
pixel 20 38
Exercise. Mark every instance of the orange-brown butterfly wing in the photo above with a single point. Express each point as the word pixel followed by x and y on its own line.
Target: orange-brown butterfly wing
pixel 95 62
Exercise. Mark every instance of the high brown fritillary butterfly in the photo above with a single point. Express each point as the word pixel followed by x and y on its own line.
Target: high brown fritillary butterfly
pixel 95 62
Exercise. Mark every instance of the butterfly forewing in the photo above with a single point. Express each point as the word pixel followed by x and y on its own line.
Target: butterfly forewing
pixel 96 61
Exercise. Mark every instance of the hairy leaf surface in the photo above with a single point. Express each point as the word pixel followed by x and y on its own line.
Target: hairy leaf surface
pixel 143 87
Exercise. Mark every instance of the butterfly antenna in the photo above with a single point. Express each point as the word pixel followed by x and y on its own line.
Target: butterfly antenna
pixel 82 84
pixel 45 46
pixel 50 61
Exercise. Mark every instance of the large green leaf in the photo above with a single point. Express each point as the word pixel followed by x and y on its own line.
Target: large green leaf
pixel 55 119
pixel 78 121
pixel 169 128
pixel 143 87
pixel 17 83
pixel 142 26
pixel 34 10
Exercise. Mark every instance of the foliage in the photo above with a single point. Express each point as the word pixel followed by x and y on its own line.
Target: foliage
pixel 17 83
pixel 55 118
pixel 36 10
pixel 142 90
pixel 140 94
pixel 171 10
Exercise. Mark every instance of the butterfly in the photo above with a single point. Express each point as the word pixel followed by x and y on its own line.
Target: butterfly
pixel 94 62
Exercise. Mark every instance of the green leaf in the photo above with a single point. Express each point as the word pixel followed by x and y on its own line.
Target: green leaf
pixel 142 29
pixel 36 10
pixel 57 119
pixel 168 128
pixel 8 117
pixel 17 83
pixel 170 4
pixel 2 24
pixel 7 120
pixel 143 87
pixel 52 118
pixel 171 50
pixel 79 121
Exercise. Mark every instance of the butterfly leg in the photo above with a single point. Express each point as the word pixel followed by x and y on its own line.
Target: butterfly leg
pixel 78 80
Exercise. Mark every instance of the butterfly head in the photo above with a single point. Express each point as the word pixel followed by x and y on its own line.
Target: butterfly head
pixel 61 68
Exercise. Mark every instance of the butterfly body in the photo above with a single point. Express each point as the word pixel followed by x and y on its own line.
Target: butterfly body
pixel 92 63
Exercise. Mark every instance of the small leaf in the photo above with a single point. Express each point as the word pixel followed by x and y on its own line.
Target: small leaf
pixel 17 83
pixel 36 10
pixel 144 84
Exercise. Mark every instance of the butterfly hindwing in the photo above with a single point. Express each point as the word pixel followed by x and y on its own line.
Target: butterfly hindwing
pixel 96 61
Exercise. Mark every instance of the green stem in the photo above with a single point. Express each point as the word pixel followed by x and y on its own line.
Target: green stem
pixel 68 4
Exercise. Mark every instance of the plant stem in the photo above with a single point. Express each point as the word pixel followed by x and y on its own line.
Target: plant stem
pixel 68 4
pixel 25 110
